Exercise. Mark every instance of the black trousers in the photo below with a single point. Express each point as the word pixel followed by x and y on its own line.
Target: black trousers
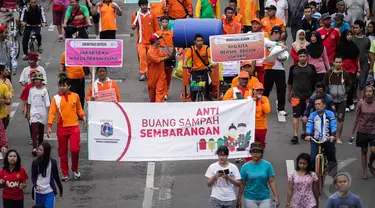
pixel 82 32
pixel 108 34
pixel 78 86
pixel 277 77
pixel 353 89
pixel 26 37
pixel 8 203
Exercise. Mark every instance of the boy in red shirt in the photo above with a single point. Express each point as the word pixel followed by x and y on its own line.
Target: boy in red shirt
pixel 330 36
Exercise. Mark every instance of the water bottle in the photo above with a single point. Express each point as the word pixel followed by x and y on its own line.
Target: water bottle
pixel 274 204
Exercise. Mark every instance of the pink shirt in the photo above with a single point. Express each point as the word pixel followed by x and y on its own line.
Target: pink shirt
pixel 59 2
pixel 322 63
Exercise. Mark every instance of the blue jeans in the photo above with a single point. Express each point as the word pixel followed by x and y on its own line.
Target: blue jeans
pixel 48 200
pixel 329 151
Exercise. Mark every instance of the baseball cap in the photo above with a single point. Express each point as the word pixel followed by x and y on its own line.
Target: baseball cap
pixel 325 16
pixel 339 17
pixel 244 63
pixel 271 7
pixel 154 37
pixel 256 146
pixel 33 56
pixel 33 72
pixel 255 20
pixel 244 75
pixel 38 76
pixel 2 28
pixel 258 86
pixel 276 29
pixel 340 2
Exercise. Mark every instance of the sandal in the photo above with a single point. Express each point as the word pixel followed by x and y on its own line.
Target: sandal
pixel 40 50
pixel 365 176
pixel 372 169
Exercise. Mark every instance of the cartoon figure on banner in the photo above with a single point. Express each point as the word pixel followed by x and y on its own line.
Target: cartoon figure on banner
pixel 212 145
pixel 241 144
pixel 107 128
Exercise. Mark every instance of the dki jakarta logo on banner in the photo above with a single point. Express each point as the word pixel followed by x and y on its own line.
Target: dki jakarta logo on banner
pixel 169 131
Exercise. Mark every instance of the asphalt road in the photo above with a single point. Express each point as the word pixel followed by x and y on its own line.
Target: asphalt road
pixel 172 184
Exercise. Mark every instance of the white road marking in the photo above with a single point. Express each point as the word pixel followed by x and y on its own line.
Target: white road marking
pixel 116 80
pixel 125 35
pixel 54 137
pixel 149 190
pixel 51 27
pixel 290 166
pixel 13 110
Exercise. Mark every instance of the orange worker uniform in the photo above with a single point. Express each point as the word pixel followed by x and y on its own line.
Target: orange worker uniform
pixel 157 8
pixel 180 9
pixel 108 84
pixel 236 17
pixel 216 9
pixel 268 23
pixel 73 72
pixel 252 80
pixel 232 93
pixel 156 75
pixel 248 9
pixel 263 108
pixel 146 25
pixel 204 52
pixel 231 27
pixel 167 44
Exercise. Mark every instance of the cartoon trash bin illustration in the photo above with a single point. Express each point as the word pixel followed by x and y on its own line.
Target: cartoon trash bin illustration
pixel 241 140
pixel 211 144
pixel 202 145
pixel 220 142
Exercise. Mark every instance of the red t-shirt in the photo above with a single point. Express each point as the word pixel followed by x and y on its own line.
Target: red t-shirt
pixel 330 41
pixel 25 93
pixel 12 183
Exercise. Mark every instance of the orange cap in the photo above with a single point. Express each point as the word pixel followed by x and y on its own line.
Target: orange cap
pixel 258 86
pixel 244 63
pixel 256 20
pixel 244 75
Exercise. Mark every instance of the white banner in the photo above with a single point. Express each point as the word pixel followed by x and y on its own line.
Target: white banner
pixel 169 131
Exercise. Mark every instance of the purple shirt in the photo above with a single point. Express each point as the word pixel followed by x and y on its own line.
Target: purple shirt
pixel 321 64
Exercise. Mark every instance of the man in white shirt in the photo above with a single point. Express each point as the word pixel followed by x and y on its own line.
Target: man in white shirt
pixel 33 64
pixel 223 178
pixel 282 9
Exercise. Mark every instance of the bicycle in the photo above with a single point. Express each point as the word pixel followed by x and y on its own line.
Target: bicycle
pixel 320 164
pixel 76 34
pixel 13 32
pixel 198 85
pixel 33 45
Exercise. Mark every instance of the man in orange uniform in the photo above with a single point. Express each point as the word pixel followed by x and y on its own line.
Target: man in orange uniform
pixel 67 105
pixel 246 66
pixel 101 84
pixel 249 9
pixel 239 91
pixel 271 20
pixel 236 16
pixel 159 9
pixel 77 76
pixel 146 24
pixel 156 74
pixel 229 25
pixel 180 9
pixel 167 46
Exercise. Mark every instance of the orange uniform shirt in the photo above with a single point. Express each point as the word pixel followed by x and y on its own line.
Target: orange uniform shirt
pixel 157 8
pixel 67 106
pixel 238 18
pixel 107 17
pixel 147 24
pixel 230 93
pixel 262 109
pixel 268 23
pixel 73 72
pixel 204 52
pixel 107 85
pixel 154 56
pixel 231 27
pixel 250 84
pixel 176 9
pixel 167 40
pixel 248 9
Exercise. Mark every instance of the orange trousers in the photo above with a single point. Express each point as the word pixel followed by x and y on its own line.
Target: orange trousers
pixel 156 85
pixel 142 54
pixel 168 74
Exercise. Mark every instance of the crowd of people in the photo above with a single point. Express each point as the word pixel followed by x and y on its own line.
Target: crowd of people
pixel 333 54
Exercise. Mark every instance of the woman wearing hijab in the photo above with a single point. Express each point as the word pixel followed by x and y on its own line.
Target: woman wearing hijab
pixel 365 125
pixel 318 55
pixel 299 44
pixel 350 53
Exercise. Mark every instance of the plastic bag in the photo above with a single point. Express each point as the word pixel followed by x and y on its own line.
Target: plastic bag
pixel 207 12
pixel 178 73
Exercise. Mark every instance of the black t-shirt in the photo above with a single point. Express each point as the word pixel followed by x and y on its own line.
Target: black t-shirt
pixel 302 80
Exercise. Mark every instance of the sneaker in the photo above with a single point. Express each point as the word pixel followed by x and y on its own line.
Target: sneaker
pixel 34 152
pixel 282 113
pixel 40 49
pixel 65 178
pixel 355 101
pixel 351 107
pixel 294 140
pixel 25 57
pixel 31 142
pixel 303 136
pixel 165 97
pixel 77 175
pixel 61 38
pixel 143 77
pixel 347 110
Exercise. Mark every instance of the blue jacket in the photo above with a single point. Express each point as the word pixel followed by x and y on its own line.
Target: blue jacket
pixel 321 127
pixel 328 100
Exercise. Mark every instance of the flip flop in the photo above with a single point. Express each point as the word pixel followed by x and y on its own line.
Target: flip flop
pixel 365 177
pixel 371 169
